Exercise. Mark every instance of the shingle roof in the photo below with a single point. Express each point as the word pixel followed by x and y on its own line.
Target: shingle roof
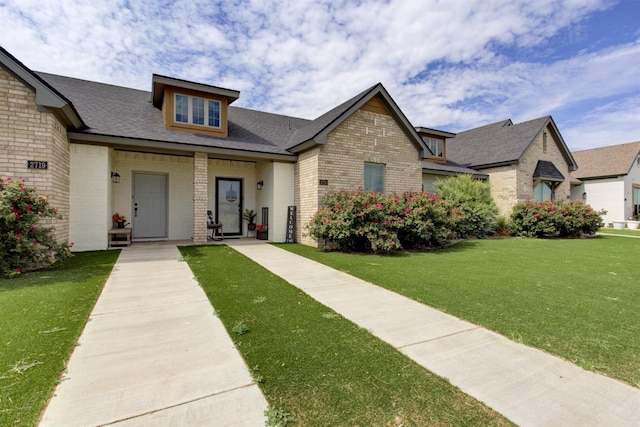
pixel 318 125
pixel 123 112
pixel 614 160
pixel 500 142
pixel 547 171
pixel 449 167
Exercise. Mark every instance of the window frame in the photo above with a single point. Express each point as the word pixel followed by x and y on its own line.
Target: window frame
pixel 552 191
pixel 428 140
pixel 190 111
pixel 378 167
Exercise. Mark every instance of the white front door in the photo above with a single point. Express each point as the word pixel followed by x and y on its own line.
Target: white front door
pixel 149 206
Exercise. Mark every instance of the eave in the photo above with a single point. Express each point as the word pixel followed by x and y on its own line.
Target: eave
pixel 174 147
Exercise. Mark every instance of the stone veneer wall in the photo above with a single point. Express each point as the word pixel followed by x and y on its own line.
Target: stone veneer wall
pixel 29 134
pixel 513 184
pixel 365 136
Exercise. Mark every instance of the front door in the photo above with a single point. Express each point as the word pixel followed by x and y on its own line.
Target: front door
pixel 149 206
pixel 229 205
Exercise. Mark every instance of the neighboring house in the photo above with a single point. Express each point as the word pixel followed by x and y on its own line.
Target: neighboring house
pixel 609 178
pixel 165 157
pixel 528 160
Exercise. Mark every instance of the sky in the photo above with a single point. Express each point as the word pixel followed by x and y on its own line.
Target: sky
pixel 449 64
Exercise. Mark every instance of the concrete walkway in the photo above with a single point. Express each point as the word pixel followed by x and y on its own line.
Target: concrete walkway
pixel 528 386
pixel 154 354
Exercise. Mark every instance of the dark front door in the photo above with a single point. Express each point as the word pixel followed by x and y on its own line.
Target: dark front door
pixel 149 206
pixel 229 205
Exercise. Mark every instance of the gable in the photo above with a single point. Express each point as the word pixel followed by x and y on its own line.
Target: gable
pixel 376 99
pixel 375 105
pixel 46 96
pixel 503 143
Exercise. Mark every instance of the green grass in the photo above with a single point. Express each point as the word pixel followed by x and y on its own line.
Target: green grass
pixel 579 299
pixel 41 317
pixel 623 232
pixel 317 366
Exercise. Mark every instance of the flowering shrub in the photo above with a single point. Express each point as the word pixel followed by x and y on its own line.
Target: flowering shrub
pixel 24 245
pixel 473 200
pixel 365 221
pixel 554 219
pixel 261 228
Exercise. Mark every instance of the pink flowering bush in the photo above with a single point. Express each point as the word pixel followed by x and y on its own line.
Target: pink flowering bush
pixel 364 221
pixel 23 244
pixel 554 219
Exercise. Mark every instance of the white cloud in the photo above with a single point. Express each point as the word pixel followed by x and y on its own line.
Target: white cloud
pixel 447 64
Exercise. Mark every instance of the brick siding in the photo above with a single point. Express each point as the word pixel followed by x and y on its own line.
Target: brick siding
pixel 365 136
pixel 29 134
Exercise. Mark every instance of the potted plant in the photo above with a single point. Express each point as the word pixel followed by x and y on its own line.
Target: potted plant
pixel 120 220
pixel 250 216
pixel 262 232
pixel 633 223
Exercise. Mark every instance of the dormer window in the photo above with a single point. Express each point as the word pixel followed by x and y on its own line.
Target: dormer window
pixel 193 107
pixel 434 140
pixel 436 146
pixel 197 111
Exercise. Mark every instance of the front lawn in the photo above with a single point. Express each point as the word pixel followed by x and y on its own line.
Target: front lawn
pixel 317 366
pixel 41 317
pixel 579 298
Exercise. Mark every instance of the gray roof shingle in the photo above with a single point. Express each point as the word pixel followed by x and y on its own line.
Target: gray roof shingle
pixel 450 167
pixel 547 171
pixel 129 113
pixel 496 143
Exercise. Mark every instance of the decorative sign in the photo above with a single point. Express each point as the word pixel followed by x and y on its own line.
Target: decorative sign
pixel 324 182
pixel 37 164
pixel 291 224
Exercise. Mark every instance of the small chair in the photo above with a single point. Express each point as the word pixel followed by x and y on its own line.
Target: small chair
pixel 213 226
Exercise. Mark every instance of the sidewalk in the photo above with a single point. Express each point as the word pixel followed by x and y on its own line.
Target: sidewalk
pixel 154 354
pixel 528 386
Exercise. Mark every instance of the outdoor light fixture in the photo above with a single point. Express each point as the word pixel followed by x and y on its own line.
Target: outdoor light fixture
pixel 115 177
pixel 259 185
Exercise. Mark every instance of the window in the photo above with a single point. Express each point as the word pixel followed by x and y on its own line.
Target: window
pixel 543 191
pixel 636 201
pixel 191 110
pixel 374 177
pixel 435 145
pixel 545 144
pixel 182 108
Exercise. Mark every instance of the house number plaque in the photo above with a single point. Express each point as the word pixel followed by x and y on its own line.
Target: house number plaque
pixel 37 164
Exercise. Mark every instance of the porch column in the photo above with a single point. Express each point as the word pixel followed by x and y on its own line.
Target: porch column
pixel 200 202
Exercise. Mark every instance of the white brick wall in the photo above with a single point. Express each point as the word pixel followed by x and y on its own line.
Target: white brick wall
pixel 90 217
pixel 179 170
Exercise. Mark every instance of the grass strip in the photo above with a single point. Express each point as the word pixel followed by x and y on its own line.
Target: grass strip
pixel 41 317
pixel 316 365
pixel 579 298
pixel 623 232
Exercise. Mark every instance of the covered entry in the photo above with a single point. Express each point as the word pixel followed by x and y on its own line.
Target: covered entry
pixel 149 216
